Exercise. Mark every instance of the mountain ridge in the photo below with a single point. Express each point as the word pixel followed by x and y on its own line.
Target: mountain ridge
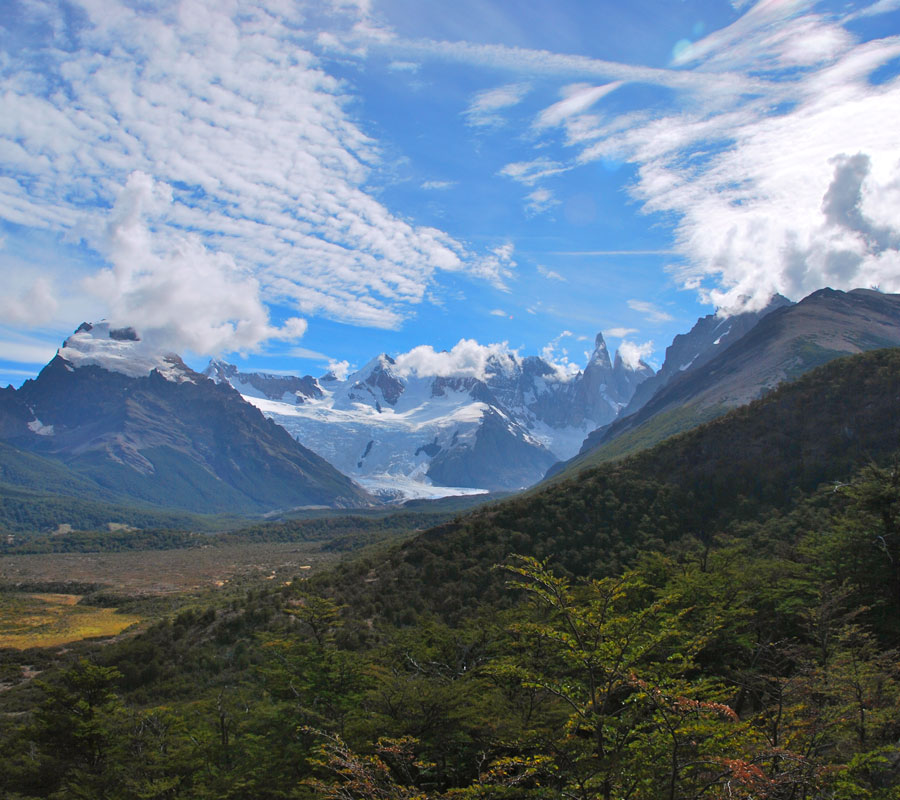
pixel 152 429
pixel 782 345
pixel 398 428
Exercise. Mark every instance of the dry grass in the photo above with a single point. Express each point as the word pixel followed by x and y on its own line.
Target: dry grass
pixel 157 572
pixel 50 620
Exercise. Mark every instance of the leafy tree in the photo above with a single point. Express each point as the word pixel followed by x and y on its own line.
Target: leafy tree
pixel 638 721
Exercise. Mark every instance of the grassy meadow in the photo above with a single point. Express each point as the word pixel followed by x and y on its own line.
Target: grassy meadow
pixel 51 620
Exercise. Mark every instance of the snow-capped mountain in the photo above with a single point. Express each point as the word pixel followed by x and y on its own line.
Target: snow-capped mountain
pixel 129 418
pixel 403 430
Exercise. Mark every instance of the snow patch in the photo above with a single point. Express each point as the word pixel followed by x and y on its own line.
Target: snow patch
pixel 38 427
pixel 120 350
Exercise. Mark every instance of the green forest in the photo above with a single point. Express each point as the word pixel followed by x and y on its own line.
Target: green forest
pixel 717 617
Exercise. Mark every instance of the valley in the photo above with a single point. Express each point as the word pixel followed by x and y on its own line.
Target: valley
pixel 450 400
pixel 324 655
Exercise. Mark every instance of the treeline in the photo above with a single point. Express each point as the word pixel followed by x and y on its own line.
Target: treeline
pixel 24 512
pixel 336 533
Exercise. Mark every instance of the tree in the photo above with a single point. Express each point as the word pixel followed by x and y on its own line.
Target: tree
pixel 638 721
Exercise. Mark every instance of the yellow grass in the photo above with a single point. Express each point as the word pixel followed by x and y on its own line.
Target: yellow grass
pixel 49 620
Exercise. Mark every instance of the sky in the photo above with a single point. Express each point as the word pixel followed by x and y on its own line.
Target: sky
pixel 299 186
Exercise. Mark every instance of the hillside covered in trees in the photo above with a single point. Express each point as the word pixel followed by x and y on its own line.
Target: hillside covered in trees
pixel 718 617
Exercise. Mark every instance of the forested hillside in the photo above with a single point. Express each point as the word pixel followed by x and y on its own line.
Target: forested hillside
pixel 714 618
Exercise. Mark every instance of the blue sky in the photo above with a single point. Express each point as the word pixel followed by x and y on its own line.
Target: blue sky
pixel 291 185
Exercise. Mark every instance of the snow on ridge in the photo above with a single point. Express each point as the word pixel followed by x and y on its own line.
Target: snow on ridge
pixel 121 350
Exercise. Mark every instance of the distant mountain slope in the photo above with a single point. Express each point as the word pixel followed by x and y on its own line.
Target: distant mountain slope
pixel 402 431
pixel 691 351
pixel 755 459
pixel 142 425
pixel 783 345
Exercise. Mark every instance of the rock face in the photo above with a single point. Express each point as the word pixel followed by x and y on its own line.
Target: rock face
pixel 784 344
pixel 287 388
pixel 691 351
pixel 398 432
pixel 141 423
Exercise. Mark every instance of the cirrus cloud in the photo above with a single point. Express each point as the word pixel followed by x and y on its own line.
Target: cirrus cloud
pixel 267 170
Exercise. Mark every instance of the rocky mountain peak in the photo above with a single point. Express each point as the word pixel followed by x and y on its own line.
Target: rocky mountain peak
pixel 121 350
pixel 600 357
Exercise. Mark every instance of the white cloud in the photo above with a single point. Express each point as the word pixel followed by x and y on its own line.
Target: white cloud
pixel 880 7
pixel 305 352
pixel 268 170
pixel 791 189
pixel 530 63
pixel 550 274
pixel 438 185
pixel 577 98
pixel 467 359
pixel 483 108
pixel 558 357
pixel 35 304
pixel 650 311
pixel 530 172
pixel 340 369
pixel 22 349
pixel 499 312
pixel 497 267
pixel 403 66
pixel 176 292
pixel 619 333
pixel 632 354
pixel 540 200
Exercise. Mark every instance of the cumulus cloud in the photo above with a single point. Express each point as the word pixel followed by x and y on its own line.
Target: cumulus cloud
pixel 633 354
pixel 340 369
pixel 175 291
pixel 467 359
pixel 221 103
pixel 483 108
pixel 499 312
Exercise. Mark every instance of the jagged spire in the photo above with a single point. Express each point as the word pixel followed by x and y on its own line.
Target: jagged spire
pixel 600 356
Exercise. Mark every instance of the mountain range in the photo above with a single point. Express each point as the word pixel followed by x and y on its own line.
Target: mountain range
pixel 401 431
pixel 115 419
